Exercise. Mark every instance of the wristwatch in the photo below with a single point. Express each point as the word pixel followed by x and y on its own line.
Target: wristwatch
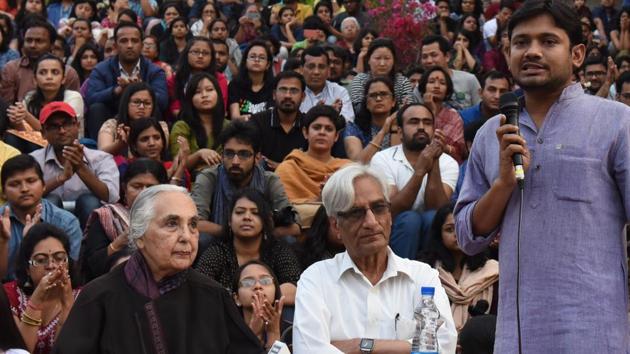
pixel 366 345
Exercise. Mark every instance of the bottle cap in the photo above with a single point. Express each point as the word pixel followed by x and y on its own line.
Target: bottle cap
pixel 427 290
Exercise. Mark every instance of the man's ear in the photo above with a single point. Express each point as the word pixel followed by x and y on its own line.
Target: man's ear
pixel 257 158
pixel 334 225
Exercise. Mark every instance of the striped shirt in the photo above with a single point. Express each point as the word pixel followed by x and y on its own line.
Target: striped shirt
pixel 402 89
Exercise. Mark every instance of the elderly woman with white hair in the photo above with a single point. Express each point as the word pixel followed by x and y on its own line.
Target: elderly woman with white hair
pixel 350 29
pixel 155 302
pixel 363 299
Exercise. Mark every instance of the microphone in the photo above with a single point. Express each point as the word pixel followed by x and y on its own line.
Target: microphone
pixel 509 106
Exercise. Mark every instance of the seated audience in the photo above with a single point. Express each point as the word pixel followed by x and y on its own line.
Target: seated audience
pixel 73 172
pixel 493 85
pixel 45 288
pixel 177 309
pixel 107 228
pixel 6 152
pixel 281 126
pixel 380 61
pixel 151 51
pixel 23 187
pixel 214 187
pixel 11 341
pixel 18 77
pixel 110 77
pixel 219 30
pixel 316 70
pixel 321 242
pixel 436 89
pixel 436 51
pixel 137 101
pixel 86 59
pixel 421 177
pixel 466 279
pixel 374 127
pixel 257 294
pixel 364 298
pixel 24 131
pixel 623 88
pixel 303 172
pixel 200 122
pixel 248 236
pixel 174 41
pixel 251 91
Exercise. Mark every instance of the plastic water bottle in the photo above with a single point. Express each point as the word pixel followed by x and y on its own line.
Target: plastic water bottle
pixel 426 315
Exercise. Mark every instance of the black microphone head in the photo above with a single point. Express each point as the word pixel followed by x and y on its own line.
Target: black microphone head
pixel 508 101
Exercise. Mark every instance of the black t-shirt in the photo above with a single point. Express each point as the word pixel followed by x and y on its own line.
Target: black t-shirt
pixel 250 102
pixel 275 143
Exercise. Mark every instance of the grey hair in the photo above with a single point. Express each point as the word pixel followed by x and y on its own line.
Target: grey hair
pixel 338 193
pixel 350 19
pixel 143 210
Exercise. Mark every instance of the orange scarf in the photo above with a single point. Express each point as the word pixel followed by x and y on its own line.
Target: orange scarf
pixel 302 175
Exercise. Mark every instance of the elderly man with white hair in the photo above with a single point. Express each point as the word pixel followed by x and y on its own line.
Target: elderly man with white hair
pixel 362 300
pixel 155 302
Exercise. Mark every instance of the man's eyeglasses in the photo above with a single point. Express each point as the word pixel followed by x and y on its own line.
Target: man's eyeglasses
pixel 358 214
pixel 594 73
pixel 242 154
pixel 379 95
pixel 42 260
pixel 139 103
pixel 248 282
pixel 67 124
pixel 289 90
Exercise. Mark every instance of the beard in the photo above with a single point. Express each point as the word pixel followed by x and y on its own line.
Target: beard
pixel 414 143
pixel 287 107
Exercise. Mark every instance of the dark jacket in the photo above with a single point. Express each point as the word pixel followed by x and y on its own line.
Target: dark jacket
pixel 198 317
pixel 103 80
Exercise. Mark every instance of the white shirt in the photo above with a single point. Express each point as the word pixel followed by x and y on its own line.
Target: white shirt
pixel 393 164
pixel 335 301
pixel 329 94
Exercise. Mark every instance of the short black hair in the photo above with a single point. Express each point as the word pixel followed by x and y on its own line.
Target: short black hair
pixel 494 75
pixel 125 24
pixel 17 164
pixel 416 69
pixel 289 74
pixel 339 52
pixel 35 21
pixel 623 79
pixel 314 51
pixel 243 132
pixel 128 12
pixel 403 109
pixel 564 16
pixel 292 63
pixel 507 3
pixel 422 85
pixel 594 60
pixel 622 58
pixel 220 41
pixel 314 23
pixel 445 46
pixel 321 110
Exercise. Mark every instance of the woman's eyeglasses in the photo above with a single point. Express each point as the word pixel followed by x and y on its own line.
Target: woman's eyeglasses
pixel 249 282
pixel 42 260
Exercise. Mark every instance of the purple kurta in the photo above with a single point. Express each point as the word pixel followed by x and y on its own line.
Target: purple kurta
pixel 573 291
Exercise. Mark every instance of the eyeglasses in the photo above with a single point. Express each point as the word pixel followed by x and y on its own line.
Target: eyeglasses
pixel 42 260
pixel 594 73
pixel 248 282
pixel 67 124
pixel 289 90
pixel 358 214
pixel 379 95
pixel 198 53
pixel 149 45
pixel 257 58
pixel 242 154
pixel 139 103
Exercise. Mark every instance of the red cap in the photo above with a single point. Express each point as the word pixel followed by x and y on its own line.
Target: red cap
pixel 56 107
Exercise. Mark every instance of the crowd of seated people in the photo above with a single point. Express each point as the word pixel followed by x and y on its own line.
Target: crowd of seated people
pixel 165 162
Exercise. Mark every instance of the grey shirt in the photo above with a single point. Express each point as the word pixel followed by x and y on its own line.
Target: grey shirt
pixel 203 191
pixel 573 270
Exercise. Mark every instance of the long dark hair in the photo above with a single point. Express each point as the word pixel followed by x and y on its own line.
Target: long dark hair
pixel 190 115
pixel 10 337
pixel 183 67
pixel 36 102
pixel 7 36
pixel 358 43
pixel 130 90
pixel 382 43
pixel 140 125
pixel 264 212
pixel 92 4
pixel 76 63
pixel 22 14
pixel 476 13
pixel 237 276
pixel 35 235
pixel 436 251
pixel 316 247
pixel 243 79
pixel 364 118
pixel 141 166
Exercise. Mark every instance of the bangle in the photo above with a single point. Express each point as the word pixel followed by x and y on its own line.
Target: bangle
pixel 176 179
pixel 375 145
pixel 33 306
pixel 30 321
pixel 111 247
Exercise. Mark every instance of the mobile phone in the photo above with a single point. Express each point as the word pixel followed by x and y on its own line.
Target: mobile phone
pixel 253 16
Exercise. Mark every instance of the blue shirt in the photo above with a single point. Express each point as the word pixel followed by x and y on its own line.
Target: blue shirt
pixel 471 114
pixel 56 12
pixel 573 269
pixel 51 214
pixel 136 6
